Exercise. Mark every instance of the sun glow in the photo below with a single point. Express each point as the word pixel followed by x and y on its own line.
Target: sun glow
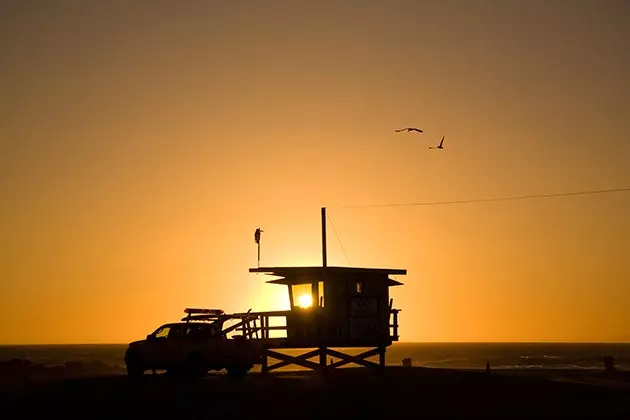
pixel 305 301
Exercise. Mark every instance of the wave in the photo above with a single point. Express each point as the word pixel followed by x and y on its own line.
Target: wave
pixel 23 369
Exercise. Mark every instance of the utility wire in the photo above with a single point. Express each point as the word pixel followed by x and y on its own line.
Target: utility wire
pixel 339 240
pixel 485 200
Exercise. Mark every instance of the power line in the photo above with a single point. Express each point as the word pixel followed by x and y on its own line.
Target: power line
pixel 339 240
pixel 486 200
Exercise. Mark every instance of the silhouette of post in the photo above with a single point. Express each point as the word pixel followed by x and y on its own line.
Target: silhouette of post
pixel 324 256
pixel 609 363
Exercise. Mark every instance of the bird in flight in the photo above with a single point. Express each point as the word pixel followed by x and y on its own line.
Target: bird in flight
pixel 409 129
pixel 440 145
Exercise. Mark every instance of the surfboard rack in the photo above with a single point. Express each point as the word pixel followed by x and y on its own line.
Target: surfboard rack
pixel 193 311
pixel 202 314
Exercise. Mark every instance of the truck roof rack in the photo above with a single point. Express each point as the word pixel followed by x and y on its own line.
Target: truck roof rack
pixel 192 311
pixel 199 314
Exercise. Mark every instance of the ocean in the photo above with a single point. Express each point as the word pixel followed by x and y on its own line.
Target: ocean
pixel 434 355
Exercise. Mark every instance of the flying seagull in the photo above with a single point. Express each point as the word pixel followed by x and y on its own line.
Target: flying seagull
pixel 440 145
pixel 409 129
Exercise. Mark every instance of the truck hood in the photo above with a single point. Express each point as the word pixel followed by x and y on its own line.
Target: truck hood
pixel 136 343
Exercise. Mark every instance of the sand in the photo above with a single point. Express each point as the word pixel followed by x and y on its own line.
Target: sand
pixel 345 393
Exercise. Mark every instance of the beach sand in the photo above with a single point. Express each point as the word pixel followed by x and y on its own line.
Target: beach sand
pixel 344 394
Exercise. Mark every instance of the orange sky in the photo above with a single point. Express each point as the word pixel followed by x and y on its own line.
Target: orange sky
pixel 141 143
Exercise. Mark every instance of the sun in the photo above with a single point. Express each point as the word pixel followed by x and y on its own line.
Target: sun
pixel 305 301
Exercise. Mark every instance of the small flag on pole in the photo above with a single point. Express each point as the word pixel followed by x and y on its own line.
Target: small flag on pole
pixel 257 239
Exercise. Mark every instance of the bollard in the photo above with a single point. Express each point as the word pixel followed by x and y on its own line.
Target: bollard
pixel 609 363
pixel 488 368
pixel 406 362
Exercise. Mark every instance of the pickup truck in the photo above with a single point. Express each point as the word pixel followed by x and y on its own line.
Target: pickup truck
pixel 192 349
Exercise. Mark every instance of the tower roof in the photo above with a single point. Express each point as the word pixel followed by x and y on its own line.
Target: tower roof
pixel 300 275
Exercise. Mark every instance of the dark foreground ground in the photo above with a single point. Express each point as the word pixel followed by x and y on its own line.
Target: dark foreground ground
pixel 348 393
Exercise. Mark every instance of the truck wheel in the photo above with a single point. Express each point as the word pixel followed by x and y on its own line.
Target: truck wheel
pixel 134 369
pixel 237 372
pixel 195 366
pixel 174 372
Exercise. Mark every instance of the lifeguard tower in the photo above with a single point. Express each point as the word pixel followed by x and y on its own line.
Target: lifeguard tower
pixel 332 308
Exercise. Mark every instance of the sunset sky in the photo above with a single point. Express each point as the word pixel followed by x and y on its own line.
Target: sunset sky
pixel 142 142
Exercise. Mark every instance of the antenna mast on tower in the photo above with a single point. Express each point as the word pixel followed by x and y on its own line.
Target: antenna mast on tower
pixel 324 256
